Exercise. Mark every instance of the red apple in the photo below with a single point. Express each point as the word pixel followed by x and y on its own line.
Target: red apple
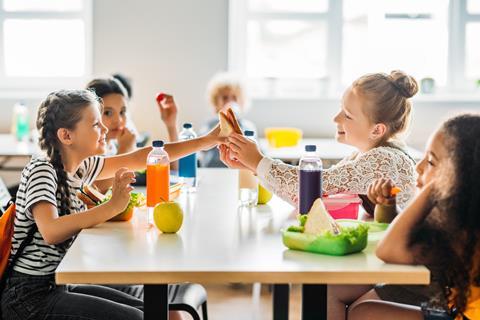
pixel 160 96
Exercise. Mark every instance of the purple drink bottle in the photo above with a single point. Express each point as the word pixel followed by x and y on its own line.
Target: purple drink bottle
pixel 310 179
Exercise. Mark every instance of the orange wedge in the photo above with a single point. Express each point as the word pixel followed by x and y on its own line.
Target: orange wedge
pixel 394 191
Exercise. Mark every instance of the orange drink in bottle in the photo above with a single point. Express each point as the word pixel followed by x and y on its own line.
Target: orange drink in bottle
pixel 158 181
pixel 158 178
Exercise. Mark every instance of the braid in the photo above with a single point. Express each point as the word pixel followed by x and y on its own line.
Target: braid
pixel 61 109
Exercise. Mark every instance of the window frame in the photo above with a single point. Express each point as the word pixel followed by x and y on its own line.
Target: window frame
pixel 20 85
pixel 458 17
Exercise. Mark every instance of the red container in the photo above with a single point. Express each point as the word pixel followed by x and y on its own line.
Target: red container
pixel 342 206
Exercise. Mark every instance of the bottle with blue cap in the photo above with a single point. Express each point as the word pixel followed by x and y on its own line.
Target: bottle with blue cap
pixel 310 179
pixel 187 166
pixel 247 181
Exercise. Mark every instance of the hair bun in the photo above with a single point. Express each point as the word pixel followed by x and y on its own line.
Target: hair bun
pixel 406 85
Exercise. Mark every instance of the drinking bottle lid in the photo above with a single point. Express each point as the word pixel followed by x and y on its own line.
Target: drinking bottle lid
pixel 157 143
pixel 187 125
pixel 249 133
pixel 310 148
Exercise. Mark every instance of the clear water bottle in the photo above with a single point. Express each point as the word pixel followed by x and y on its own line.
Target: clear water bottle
pixel 310 179
pixel 187 166
pixel 20 122
pixel 158 178
pixel 247 182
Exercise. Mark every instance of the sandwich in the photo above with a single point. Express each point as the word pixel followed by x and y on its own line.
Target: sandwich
pixel 319 221
pixel 228 123
pixel 92 197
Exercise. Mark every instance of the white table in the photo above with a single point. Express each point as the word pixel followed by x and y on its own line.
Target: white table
pixel 10 147
pixel 220 243
pixel 329 150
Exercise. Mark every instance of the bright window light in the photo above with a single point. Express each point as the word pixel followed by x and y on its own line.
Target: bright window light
pixel 44 48
pixel 42 5
pixel 386 35
pixel 286 48
pixel 472 51
pixel 288 5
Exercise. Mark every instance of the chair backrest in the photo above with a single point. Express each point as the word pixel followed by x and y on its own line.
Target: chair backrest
pixel 4 196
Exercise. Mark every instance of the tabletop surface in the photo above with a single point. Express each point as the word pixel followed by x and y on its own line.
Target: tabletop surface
pixel 9 146
pixel 218 242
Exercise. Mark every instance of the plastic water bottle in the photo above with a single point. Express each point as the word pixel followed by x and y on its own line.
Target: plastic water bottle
pixel 187 166
pixel 247 182
pixel 310 179
pixel 20 122
pixel 158 178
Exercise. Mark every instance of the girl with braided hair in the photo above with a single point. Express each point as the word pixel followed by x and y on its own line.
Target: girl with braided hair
pixel 440 228
pixel 72 136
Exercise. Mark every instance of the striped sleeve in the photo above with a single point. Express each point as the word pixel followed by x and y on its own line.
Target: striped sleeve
pixel 91 168
pixel 41 186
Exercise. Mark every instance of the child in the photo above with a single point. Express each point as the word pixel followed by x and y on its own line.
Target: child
pixel 374 110
pixel 224 89
pixel 115 106
pixel 339 296
pixel 441 227
pixel 72 135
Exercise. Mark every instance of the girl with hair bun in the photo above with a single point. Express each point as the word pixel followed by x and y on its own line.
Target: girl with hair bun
pixel 374 111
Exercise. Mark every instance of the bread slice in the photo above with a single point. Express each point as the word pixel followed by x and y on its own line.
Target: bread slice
pixel 226 128
pixel 319 220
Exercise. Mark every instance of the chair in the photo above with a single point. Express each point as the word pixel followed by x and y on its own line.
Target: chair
pixel 4 196
pixel 188 297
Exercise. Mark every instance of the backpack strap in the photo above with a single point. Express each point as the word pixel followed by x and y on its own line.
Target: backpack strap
pixel 28 239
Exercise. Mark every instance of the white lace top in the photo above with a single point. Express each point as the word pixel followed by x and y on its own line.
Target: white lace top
pixel 353 174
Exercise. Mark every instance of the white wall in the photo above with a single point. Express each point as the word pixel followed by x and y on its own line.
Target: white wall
pixel 171 46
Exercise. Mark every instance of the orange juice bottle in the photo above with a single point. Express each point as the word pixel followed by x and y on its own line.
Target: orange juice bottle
pixel 158 176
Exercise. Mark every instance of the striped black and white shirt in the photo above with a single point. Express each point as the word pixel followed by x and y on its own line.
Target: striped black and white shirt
pixel 39 183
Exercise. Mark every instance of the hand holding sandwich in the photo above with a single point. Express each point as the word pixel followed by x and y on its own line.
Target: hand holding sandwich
pixel 121 190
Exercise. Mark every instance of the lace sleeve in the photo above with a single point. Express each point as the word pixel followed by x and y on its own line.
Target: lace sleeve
pixel 354 176
pixel 348 176
pixel 280 178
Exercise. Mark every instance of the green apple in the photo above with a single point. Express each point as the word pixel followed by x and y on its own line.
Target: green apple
pixel 168 216
pixel 263 195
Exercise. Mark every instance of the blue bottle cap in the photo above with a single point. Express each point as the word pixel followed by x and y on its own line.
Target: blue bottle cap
pixel 249 133
pixel 187 125
pixel 311 148
pixel 157 143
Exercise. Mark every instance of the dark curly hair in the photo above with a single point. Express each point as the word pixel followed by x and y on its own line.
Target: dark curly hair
pixel 61 109
pixel 449 236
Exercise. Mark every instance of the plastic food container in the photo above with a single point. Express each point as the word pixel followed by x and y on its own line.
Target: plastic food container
pixel 342 206
pixel 352 239
pixel 283 137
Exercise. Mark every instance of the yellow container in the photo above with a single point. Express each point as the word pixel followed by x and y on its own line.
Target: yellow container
pixel 283 137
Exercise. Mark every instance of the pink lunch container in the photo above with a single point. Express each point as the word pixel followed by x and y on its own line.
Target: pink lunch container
pixel 342 206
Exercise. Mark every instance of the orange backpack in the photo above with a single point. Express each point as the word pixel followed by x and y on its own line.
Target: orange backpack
pixel 6 235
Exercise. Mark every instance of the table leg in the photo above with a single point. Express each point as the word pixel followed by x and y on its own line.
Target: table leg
pixel 314 301
pixel 155 302
pixel 281 295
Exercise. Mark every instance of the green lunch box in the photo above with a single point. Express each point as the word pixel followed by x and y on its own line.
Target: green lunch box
pixel 353 238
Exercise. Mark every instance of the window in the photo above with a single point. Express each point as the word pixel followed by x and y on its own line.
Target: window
pixel 315 48
pixel 45 44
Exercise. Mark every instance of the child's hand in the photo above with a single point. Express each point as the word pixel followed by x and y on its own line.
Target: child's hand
pixel 214 138
pixel 121 189
pixel 226 158
pixel 126 141
pixel 380 192
pixel 245 151
pixel 168 110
